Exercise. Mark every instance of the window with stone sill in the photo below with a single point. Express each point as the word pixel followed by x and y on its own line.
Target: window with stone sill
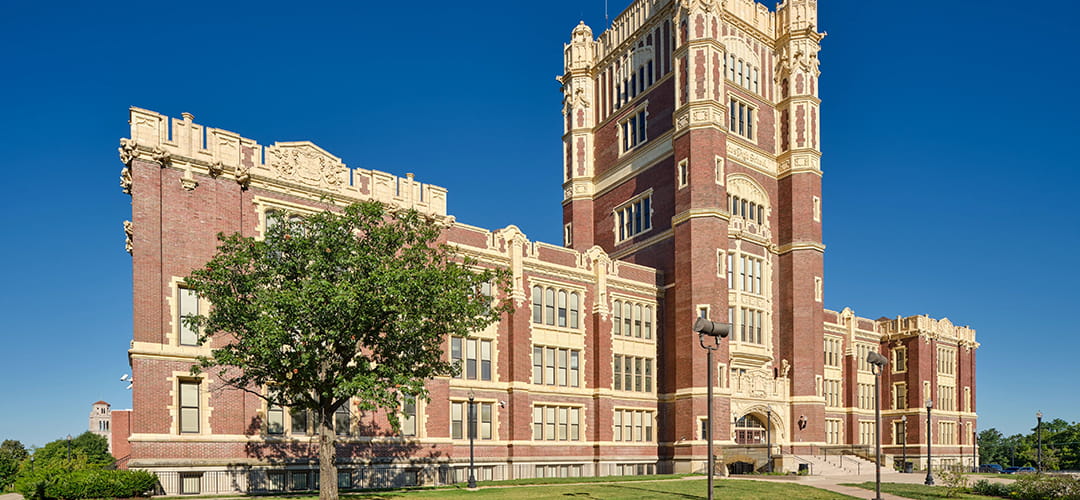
pixel 557 423
pixel 633 425
pixel 459 420
pixel 473 356
pixel 556 366
pixel 633 217
pixel 632 373
pixel 632 319
pixel 741 118
pixel 633 130
pixel 556 307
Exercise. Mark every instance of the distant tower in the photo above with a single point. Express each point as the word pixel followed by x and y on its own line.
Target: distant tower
pixel 101 420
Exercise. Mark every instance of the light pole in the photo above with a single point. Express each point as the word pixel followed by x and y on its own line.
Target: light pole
pixel 704 328
pixel 768 439
pixel 929 474
pixel 472 436
pixel 903 441
pixel 877 363
pixel 1038 430
pixel 69 447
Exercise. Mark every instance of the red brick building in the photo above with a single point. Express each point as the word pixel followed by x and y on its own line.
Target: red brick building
pixel 692 187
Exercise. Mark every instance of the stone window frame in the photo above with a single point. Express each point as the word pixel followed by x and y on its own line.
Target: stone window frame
pixel 625 212
pixel 545 410
pixel 744 123
pixel 556 287
pixel 634 123
pixel 481 403
pixel 642 318
pixel 642 424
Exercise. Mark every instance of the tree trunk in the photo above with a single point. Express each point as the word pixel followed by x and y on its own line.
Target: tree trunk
pixel 328 488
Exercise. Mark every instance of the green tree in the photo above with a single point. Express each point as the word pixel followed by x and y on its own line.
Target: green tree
pixel 336 305
pixel 12 452
pixel 90 448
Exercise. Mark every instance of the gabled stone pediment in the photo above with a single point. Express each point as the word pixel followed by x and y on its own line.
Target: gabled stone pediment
pixel 305 163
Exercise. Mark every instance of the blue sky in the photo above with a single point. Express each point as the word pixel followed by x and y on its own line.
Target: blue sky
pixel 948 133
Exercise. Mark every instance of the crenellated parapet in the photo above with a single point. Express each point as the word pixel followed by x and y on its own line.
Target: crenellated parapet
pixel 510 248
pixel 928 328
pixel 296 168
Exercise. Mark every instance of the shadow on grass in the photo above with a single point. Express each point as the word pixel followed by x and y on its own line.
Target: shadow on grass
pixel 646 492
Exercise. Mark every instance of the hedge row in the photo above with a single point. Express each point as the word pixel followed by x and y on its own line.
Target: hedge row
pixel 46 484
pixel 1032 487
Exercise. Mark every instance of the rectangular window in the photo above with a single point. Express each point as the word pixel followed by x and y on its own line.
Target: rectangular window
pixel 189 306
pixel 562 308
pixel 899 360
pixel 616 327
pixel 342 421
pixel 730 271
pixel 190 483
pixel 456 355
pixel 485 420
pixel 900 396
pixel 275 419
pixel 575 372
pixel 634 217
pixel 408 416
pixel 633 130
pixel 299 419
pixel 549 306
pixel 485 360
pixel 189 406
pixel 741 119
pixel 563 367
pixel 575 309
pixel 538 365
pixel 470 359
pixel 457 420
pixel 549 366
pixel 538 423
pixel 618 372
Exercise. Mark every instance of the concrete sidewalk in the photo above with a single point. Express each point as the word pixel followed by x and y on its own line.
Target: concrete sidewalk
pixel 833 483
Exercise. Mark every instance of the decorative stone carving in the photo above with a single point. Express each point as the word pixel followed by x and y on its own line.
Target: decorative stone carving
pixel 785 367
pixel 125 179
pixel 306 163
pixel 129 232
pixel 216 169
pixel 129 150
pixel 188 181
pixel 243 175
pixel 161 156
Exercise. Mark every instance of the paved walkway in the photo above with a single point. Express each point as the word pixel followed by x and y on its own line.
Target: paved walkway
pixel 833 483
pixel 11 496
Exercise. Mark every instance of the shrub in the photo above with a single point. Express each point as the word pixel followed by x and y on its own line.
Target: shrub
pixel 51 483
pixel 1045 487
pixel 954 482
pixel 990 489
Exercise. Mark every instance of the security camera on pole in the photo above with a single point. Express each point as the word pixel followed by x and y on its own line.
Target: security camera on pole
pixel 706 328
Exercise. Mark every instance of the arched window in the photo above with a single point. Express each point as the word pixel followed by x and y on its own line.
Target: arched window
pixel 549 308
pixel 538 304
pixel 749 430
pixel 562 308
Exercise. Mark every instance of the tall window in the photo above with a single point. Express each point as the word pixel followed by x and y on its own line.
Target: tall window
pixel 946 360
pixel 899 432
pixel 189 306
pixel 832 351
pixel 556 423
pixel 556 366
pixel 633 130
pixel 750 273
pixel 899 359
pixel 742 118
pixel 633 217
pixel 750 323
pixel 300 420
pixel 408 416
pixel 474 357
pixel 632 373
pixel 459 420
pixel 832 392
pixel 342 420
pixel 749 430
pixel 632 319
pixel 832 431
pixel 633 425
pixel 551 304
pixel 275 419
pixel 189 406
pixel 899 396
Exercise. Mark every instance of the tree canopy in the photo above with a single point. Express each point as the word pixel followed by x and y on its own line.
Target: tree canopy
pixel 338 305
pixel 12 452
pixel 1060 446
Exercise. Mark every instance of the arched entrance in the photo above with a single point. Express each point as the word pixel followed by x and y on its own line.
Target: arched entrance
pixel 749 430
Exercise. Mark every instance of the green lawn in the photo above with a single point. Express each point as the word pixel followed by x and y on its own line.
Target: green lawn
pixel 918 491
pixel 678 489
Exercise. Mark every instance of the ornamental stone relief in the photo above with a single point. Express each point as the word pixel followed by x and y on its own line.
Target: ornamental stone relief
pixel 129 150
pixel 129 231
pixel 306 163
pixel 125 179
